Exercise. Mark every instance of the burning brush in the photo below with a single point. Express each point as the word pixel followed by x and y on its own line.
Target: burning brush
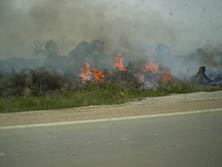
pixel 91 75
pixel 149 76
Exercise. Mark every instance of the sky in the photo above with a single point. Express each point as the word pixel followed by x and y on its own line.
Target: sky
pixel 184 25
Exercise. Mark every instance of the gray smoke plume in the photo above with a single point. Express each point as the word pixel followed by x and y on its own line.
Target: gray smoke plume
pixel 118 24
pixel 135 27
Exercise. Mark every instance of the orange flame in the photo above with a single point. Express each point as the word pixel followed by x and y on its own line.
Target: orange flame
pixel 154 68
pixel 119 62
pixel 86 74
pixel 98 75
pixel 167 78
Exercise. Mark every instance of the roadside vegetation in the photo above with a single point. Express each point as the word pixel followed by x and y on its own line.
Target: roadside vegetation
pixel 28 87
pixel 57 97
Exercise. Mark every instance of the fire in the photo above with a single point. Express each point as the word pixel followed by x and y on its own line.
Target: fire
pixel 154 68
pixel 98 75
pixel 167 78
pixel 119 62
pixel 87 74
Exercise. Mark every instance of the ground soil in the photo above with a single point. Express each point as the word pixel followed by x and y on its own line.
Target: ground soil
pixel 156 105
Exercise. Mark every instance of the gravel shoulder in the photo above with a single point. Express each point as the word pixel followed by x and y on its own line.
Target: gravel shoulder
pixel 156 105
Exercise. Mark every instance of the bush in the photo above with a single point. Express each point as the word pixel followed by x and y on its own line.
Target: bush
pixel 34 82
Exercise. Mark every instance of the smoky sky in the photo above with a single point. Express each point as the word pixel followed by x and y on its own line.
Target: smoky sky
pixel 125 24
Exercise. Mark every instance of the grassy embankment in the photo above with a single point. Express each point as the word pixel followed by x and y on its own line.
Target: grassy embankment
pixel 94 95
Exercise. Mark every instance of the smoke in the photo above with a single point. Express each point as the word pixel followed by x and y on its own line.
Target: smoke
pixel 135 27
pixel 119 24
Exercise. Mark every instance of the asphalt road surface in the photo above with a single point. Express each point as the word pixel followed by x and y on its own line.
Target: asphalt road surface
pixel 193 140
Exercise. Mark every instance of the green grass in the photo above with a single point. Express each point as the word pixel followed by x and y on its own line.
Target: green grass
pixel 94 95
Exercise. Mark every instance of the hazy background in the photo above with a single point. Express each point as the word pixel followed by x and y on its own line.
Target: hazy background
pixel 184 25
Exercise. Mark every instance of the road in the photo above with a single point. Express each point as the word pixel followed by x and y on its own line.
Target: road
pixel 190 140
